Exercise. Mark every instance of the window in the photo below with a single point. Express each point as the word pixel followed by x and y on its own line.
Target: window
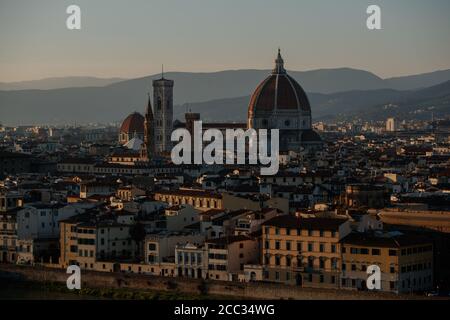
pixel 310 247
pixel 392 269
pixel 277 231
pixel 376 252
pixel 288 245
pixel 241 245
pixel 277 260
pixel 299 246
pixel 277 245
pixel 392 252
pixel 277 275
pixel 364 251
pixel 288 261
pixel 322 247
pixel 151 246
pixel 353 267
pixel 266 244
pixel 333 248
pixel 288 232
pixel 310 262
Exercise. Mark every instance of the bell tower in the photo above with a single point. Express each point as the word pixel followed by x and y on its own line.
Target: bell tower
pixel 163 114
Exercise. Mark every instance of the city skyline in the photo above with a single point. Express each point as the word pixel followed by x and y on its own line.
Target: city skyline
pixel 119 40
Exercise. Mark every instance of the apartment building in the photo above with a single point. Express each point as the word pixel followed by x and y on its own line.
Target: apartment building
pixel 303 251
pixel 227 256
pixel 10 204
pixel 86 241
pixel 41 220
pixel 405 261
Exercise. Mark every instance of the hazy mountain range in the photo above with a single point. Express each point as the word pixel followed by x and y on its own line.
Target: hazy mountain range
pixel 58 82
pixel 219 96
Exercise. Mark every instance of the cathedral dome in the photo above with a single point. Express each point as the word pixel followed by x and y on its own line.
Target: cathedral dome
pixel 278 91
pixel 133 123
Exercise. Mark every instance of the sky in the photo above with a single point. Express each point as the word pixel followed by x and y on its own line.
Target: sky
pixel 134 38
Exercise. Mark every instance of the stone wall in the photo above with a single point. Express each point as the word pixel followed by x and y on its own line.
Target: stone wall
pixel 94 279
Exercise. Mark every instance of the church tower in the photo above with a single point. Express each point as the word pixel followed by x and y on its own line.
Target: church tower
pixel 148 147
pixel 163 112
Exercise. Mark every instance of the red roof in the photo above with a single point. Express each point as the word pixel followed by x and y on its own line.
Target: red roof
pixel 133 123
pixel 278 91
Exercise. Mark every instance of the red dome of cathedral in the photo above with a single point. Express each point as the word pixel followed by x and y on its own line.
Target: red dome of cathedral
pixel 278 91
pixel 133 123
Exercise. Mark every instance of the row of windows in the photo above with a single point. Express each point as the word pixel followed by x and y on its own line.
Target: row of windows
pixel 416 250
pixel 217 256
pixel 197 202
pixel 86 241
pixel 416 267
pixel 218 267
pixel 391 252
pixel 278 261
pixel 298 232
pixel 288 246
pixel 189 258
pixel 366 251
pixel 86 253
pixel 309 277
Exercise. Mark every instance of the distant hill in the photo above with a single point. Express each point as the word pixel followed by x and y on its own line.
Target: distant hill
pixel 420 104
pixel 332 92
pixel 57 83
pixel 366 104
pixel 418 81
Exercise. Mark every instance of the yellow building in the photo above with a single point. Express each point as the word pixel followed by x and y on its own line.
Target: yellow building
pixel 199 199
pixel 206 200
pixel 405 262
pixel 303 251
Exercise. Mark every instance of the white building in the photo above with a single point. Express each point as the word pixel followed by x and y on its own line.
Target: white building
pixel 41 220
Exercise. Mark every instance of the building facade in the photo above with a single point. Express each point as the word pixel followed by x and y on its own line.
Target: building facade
pixel 405 262
pixel 303 251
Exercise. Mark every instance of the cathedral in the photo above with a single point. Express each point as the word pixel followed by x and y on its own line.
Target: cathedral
pixel 278 102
